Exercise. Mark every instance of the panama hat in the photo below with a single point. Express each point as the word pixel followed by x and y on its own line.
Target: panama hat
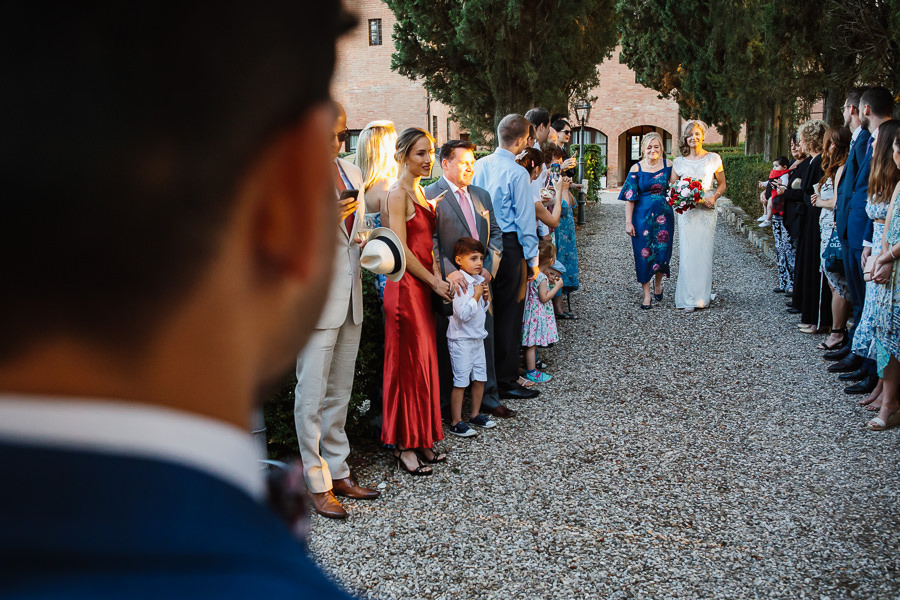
pixel 384 255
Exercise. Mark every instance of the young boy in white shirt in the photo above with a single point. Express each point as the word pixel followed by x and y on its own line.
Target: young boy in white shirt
pixel 465 338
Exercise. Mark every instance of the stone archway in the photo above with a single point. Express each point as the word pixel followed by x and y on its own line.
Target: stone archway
pixel 629 147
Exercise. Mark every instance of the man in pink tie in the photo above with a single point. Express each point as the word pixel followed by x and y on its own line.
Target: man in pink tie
pixel 466 211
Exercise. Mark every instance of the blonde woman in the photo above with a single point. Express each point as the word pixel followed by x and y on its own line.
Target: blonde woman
pixel 697 227
pixel 375 158
pixel 411 398
pixel 811 295
pixel 649 219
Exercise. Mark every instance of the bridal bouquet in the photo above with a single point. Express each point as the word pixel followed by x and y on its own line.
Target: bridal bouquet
pixel 685 194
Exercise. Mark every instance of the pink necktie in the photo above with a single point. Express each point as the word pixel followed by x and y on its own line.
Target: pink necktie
pixel 466 207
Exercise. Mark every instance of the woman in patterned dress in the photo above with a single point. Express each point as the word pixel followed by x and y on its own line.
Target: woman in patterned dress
pixel 649 219
pixel 887 318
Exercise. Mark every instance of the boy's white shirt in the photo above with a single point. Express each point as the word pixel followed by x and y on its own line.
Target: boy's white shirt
pixel 467 322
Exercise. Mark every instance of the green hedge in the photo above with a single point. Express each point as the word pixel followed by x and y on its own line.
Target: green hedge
pixel 720 149
pixel 279 410
pixel 594 168
pixel 743 174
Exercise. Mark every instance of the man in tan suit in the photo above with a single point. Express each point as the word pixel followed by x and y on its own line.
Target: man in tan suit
pixel 325 367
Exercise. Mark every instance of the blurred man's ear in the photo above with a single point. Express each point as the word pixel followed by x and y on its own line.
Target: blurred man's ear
pixel 297 216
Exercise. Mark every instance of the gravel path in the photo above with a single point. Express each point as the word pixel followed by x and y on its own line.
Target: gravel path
pixel 673 455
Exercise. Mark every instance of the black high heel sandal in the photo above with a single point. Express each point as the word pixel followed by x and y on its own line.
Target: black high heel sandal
pixel 421 470
pixel 836 345
pixel 436 457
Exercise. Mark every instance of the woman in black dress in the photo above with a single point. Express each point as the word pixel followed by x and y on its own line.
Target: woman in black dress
pixel 811 295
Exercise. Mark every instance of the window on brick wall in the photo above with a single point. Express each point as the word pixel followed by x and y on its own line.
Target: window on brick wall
pixel 374 32
pixel 352 140
pixel 434 127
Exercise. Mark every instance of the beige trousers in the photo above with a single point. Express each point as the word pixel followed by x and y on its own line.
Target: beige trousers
pixel 324 381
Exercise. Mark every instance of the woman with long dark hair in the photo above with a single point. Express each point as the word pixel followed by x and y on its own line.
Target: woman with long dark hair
pixel 834 155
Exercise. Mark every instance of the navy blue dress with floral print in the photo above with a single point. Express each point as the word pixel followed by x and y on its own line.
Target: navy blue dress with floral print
pixel 653 220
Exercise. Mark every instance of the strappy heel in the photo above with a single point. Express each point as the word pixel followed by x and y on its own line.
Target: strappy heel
pixel 420 470
pixel 436 457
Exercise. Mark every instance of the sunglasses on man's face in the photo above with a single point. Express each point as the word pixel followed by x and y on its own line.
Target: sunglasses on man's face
pixel 343 135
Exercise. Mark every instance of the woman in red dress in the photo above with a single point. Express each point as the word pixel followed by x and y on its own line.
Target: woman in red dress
pixel 412 410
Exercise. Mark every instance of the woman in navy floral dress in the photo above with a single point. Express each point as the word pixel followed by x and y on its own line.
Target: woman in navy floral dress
pixel 649 219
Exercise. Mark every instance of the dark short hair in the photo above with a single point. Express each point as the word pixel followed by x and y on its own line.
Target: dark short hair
pixel 130 127
pixel 512 127
pixel 560 124
pixel 551 151
pixel 783 160
pixel 468 245
pixel 559 117
pixel 449 147
pixel 854 95
pixel 538 116
pixel 879 99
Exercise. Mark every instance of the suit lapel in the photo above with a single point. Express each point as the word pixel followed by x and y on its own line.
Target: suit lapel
pixel 356 185
pixel 454 202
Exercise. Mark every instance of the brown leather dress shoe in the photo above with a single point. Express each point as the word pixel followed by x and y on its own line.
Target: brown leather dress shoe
pixel 499 411
pixel 328 506
pixel 348 488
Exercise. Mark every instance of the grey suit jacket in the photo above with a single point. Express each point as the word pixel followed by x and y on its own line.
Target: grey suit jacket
pixel 346 280
pixel 451 225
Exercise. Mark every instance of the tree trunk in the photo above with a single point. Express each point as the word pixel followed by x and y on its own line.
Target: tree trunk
pixel 833 107
pixel 755 134
pixel 768 132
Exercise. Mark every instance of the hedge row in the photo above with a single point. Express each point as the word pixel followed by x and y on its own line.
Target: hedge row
pixel 743 174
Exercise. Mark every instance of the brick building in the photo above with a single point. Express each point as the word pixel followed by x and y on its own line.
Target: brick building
pixel 366 86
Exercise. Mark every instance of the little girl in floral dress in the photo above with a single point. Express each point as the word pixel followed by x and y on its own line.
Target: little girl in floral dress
pixel 539 322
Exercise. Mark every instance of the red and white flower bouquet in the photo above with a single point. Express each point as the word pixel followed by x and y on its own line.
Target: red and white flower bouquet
pixel 685 194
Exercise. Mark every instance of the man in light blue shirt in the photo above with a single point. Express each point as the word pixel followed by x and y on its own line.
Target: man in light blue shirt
pixel 508 184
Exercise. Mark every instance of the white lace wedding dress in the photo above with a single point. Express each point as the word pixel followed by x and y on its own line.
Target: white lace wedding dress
pixel 696 233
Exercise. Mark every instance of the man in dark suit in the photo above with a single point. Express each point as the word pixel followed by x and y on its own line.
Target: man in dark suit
pixel 465 211
pixel 852 269
pixel 162 265
pixel 875 107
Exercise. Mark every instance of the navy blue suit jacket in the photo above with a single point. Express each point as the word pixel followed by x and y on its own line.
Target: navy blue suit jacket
pixel 858 224
pixel 848 179
pixel 91 525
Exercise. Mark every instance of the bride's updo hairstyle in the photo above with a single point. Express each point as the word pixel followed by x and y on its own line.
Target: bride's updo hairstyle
pixel 812 135
pixel 645 143
pixel 686 133
pixel 407 140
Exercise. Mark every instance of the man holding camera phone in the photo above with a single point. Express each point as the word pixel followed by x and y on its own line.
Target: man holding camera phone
pixel 325 367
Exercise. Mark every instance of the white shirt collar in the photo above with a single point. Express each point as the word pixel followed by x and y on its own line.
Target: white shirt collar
pixel 454 189
pixel 476 279
pixel 855 133
pixel 138 430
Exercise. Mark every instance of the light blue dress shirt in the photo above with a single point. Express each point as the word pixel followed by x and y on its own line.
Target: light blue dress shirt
pixel 508 184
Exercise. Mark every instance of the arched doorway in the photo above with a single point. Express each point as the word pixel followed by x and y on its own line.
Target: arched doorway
pixel 630 146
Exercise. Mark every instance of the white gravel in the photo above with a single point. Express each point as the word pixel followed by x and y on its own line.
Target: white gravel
pixel 674 455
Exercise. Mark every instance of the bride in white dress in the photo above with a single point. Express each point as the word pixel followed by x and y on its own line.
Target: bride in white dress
pixel 697 226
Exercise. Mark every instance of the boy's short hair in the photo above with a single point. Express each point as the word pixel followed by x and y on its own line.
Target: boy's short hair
pixel 468 245
pixel 783 160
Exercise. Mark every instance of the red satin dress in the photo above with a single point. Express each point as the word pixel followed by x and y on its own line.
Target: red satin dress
pixel 412 403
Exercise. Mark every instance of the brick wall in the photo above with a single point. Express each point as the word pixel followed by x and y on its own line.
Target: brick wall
pixel 369 90
pixel 367 87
